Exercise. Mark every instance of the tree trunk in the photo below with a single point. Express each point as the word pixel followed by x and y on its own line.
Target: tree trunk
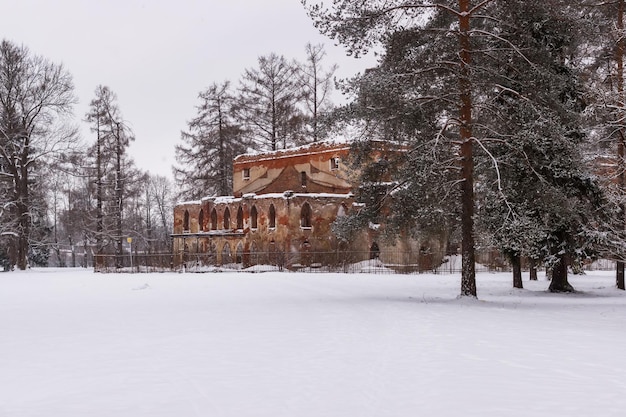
pixel 118 198
pixel 619 57
pixel 23 206
pixel 99 194
pixel 619 275
pixel 533 269
pixel 559 282
pixel 516 263
pixel 468 273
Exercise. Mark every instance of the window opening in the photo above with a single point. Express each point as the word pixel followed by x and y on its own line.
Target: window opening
pixel 374 251
pixel 254 254
pixel 253 218
pixel 186 221
pixel 305 215
pixel 272 216
pixel 342 210
pixel 214 219
pixel 226 257
pixel 239 254
pixel 240 218
pixel 226 218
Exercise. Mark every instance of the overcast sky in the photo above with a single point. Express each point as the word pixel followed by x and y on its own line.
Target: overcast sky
pixel 157 55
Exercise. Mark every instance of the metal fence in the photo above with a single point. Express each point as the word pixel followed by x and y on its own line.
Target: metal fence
pixel 387 262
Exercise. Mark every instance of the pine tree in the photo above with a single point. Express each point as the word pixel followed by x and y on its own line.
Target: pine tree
pixel 112 139
pixel 213 139
pixel 604 65
pixel 441 33
pixel 462 83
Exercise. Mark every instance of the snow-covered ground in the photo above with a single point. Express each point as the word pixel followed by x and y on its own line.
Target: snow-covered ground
pixel 75 343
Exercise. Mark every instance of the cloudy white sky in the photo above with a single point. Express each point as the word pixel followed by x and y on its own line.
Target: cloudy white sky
pixel 157 55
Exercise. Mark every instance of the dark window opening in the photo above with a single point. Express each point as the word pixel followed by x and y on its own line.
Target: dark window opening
pixel 272 216
pixel 226 218
pixel 186 221
pixel 246 173
pixel 226 254
pixel 303 178
pixel 374 251
pixel 305 215
pixel 240 218
pixel 214 219
pixel 201 221
pixel 305 253
pixel 239 254
pixel 253 218
pixel 254 254
pixel 334 163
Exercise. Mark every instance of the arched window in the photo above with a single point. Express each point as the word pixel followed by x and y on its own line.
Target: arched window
pixel 342 210
pixel 305 253
pixel 212 254
pixel 239 254
pixel 305 215
pixel 273 253
pixel 374 251
pixel 254 254
pixel 226 218
pixel 240 218
pixel 226 256
pixel 201 220
pixel 272 216
pixel 253 218
pixel 213 219
pixel 186 221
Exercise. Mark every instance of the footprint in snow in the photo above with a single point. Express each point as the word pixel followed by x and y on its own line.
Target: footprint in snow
pixel 142 287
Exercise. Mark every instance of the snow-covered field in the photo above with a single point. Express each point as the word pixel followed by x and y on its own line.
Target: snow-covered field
pixel 75 343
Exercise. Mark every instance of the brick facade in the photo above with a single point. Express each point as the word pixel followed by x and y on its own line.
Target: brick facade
pixel 281 213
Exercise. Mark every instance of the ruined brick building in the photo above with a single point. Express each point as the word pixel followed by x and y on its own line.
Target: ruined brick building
pixel 283 205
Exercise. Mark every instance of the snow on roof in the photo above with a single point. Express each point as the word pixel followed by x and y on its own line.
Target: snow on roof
pixel 322 146
pixel 252 196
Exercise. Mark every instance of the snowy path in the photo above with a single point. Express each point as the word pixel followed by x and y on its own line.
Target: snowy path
pixel 76 343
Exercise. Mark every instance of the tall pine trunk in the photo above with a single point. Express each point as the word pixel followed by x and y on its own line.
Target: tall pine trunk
pixel 516 264
pixel 559 282
pixel 532 269
pixel 468 273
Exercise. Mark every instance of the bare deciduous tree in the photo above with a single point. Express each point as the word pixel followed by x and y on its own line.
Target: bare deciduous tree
pixel 268 103
pixel 36 99
pixel 316 84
